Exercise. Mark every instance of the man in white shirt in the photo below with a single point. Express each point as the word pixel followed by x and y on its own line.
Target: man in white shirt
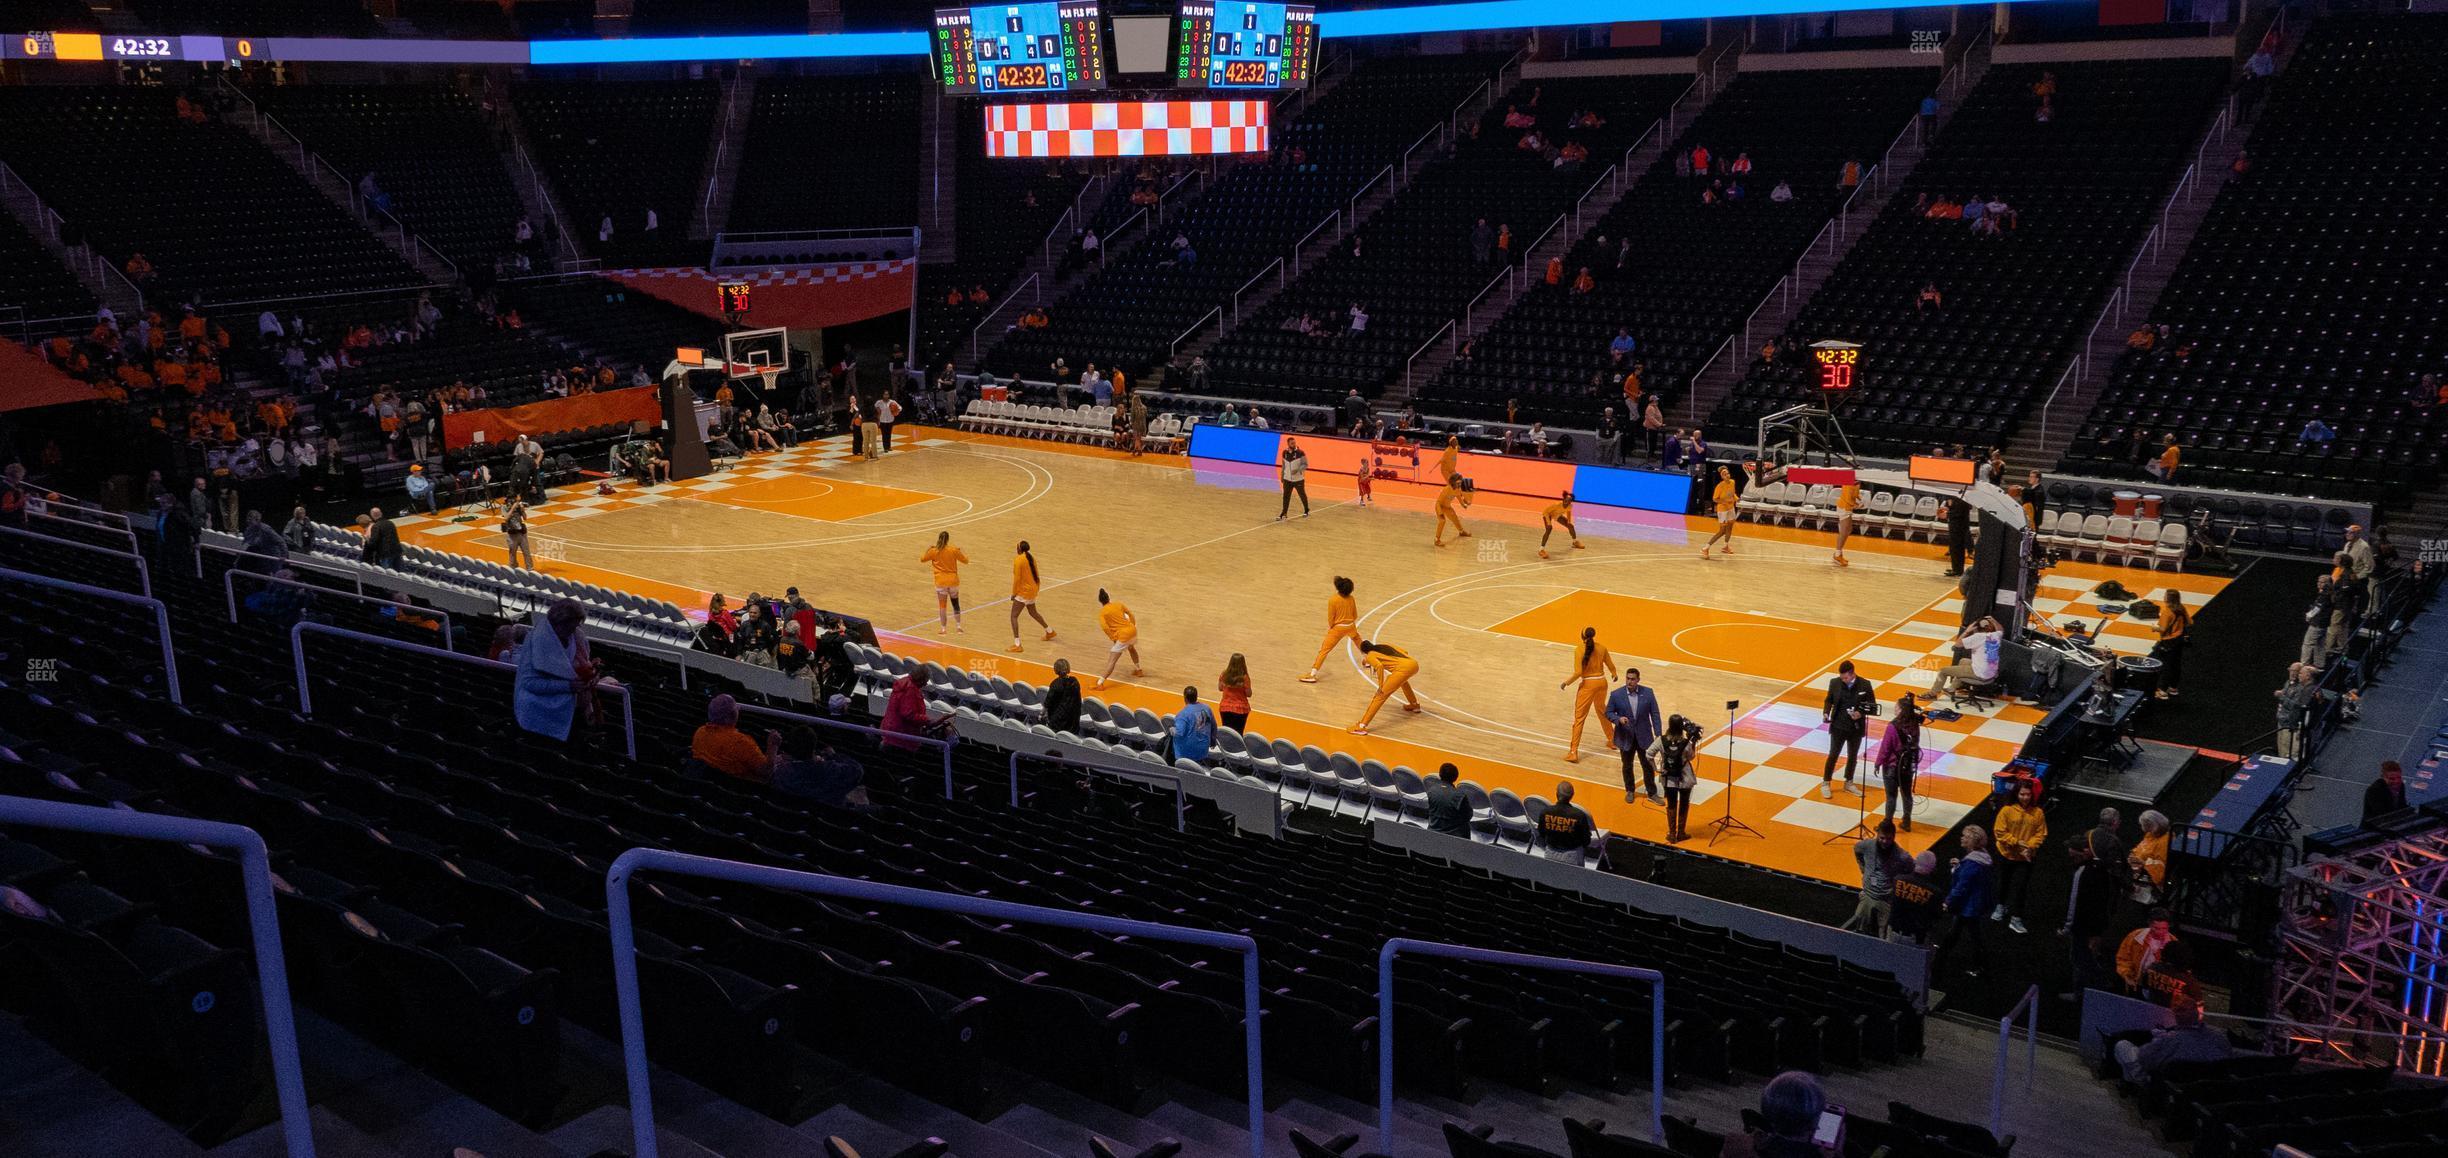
pixel 1294 471
pixel 887 412
pixel 268 325
pixel 1981 640
pixel 1359 319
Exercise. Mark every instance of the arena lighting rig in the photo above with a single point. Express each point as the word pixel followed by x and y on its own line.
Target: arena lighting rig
pixel 1484 15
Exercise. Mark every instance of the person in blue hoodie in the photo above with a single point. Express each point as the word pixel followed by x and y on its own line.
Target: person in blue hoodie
pixel 1968 900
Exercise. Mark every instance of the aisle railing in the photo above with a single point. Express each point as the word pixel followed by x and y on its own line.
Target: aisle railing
pixel 643 1141
pixel 161 616
pixel 305 695
pixel 2029 1010
pixel 1400 946
pixel 263 926
pixel 942 746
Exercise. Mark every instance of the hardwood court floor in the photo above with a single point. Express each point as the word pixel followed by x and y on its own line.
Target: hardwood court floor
pixel 1199 557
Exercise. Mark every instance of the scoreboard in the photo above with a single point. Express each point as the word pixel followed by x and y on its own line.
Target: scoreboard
pixel 1837 361
pixel 1245 44
pixel 1020 48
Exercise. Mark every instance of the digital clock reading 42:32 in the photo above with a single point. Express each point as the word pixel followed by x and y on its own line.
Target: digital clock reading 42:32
pixel 143 47
pixel 1020 76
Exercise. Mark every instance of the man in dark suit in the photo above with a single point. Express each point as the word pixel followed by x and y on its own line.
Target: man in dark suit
pixel 1959 534
pixel 2090 903
pixel 2387 794
pixel 1633 710
pixel 1847 709
pixel 382 541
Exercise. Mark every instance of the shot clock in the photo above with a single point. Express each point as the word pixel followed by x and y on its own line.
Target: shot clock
pixel 1837 362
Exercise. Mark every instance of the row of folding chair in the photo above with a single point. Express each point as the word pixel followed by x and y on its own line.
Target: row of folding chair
pixel 1334 781
pixel 1892 513
pixel 2118 538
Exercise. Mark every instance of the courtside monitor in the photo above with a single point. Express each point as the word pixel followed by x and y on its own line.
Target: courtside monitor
pixel 1020 48
pixel 1245 44
pixel 1944 471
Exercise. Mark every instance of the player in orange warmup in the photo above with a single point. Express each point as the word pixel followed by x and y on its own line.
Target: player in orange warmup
pixel 1723 498
pixel 1342 623
pixel 1558 512
pixel 1457 490
pixel 947 560
pixel 1848 500
pixel 1123 629
pixel 1024 594
pixel 1393 669
pixel 1593 667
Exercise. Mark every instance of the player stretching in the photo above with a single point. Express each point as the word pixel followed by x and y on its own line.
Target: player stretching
pixel 1592 668
pixel 947 560
pixel 1342 623
pixel 1449 463
pixel 1723 499
pixel 1393 669
pixel 1559 512
pixel 1024 594
pixel 1120 627
pixel 1457 489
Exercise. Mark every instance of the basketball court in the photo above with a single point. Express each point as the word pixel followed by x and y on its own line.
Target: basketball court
pixel 1195 550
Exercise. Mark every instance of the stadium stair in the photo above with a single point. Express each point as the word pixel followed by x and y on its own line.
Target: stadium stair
pixel 1777 310
pixel 721 182
pixel 327 179
pixel 40 276
pixel 1710 77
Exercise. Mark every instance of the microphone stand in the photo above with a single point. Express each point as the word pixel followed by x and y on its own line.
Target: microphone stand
pixel 1726 823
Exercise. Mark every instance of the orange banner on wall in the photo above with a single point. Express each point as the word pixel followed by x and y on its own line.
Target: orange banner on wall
pixel 577 412
pixel 802 299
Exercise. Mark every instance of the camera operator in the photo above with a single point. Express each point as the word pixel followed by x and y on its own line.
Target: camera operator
pixel 1677 747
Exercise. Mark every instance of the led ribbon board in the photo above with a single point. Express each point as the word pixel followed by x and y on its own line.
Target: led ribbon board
pixel 1127 128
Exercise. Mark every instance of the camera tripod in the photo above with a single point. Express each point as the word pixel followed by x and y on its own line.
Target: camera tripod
pixel 1726 823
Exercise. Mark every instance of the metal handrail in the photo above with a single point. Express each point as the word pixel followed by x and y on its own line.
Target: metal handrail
pixel 1691 390
pixel 1784 285
pixel 1062 227
pixel 1181 795
pixel 1365 186
pixel 161 615
pixel 2029 1009
pixel 2183 183
pixel 1623 168
pixel 844 725
pixel 2051 400
pixel 1334 217
pixel 625 972
pixel 1695 88
pixel 1105 239
pixel 1276 265
pixel 394 291
pixel 2116 303
pixel 1504 275
pixel 1437 131
pixel 1531 254
pixel 1441 331
pixel 121 528
pixel 144 571
pixel 229 596
pixel 1454 118
pixel 297 655
pixel 1385 1017
pixel 1605 180
pixel 1201 324
pixel 1030 282
pixel 263 926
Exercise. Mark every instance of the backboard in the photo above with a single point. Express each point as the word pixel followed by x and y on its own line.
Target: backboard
pixel 750 353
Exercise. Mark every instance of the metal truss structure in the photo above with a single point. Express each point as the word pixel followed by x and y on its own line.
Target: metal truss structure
pixel 2363 969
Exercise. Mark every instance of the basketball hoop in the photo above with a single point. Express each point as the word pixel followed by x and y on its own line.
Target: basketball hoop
pixel 770 374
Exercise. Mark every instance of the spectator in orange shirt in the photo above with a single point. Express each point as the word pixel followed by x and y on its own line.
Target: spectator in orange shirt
pixel 2163 467
pixel 203 376
pixel 1555 271
pixel 172 373
pixel 138 269
pixel 1583 282
pixel 721 746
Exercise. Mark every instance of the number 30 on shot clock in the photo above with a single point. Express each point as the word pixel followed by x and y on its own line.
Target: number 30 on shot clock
pixel 1837 362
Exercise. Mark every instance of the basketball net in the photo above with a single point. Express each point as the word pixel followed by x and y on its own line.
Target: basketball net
pixel 770 374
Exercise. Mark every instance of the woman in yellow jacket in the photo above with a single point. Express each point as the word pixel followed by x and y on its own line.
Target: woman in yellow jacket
pixel 1456 491
pixel 1394 669
pixel 1024 594
pixel 1123 629
pixel 2021 829
pixel 946 559
pixel 1342 623
pixel 1593 669
pixel 1723 499
pixel 2174 623
pixel 2149 859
